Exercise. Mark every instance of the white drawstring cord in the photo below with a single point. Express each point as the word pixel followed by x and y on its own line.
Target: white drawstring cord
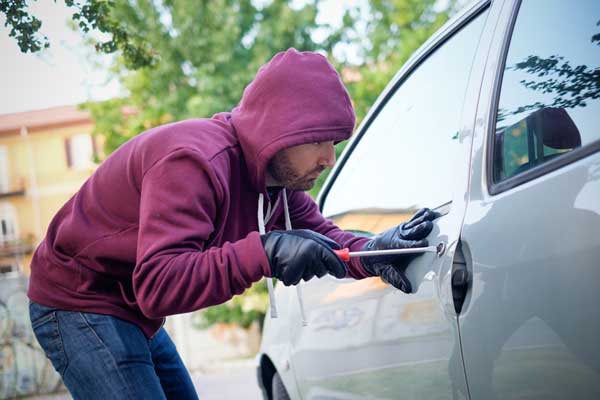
pixel 288 227
pixel 261 230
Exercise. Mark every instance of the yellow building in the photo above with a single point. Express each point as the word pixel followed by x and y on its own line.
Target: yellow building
pixel 45 156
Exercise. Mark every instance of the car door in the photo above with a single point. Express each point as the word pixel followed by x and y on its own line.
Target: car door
pixel 365 339
pixel 530 326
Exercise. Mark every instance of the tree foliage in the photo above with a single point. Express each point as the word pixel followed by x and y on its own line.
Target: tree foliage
pixel 23 26
pixel 88 15
pixel 242 310
pixel 208 52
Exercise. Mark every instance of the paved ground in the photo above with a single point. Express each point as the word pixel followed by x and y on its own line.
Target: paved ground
pixel 231 383
pixel 233 380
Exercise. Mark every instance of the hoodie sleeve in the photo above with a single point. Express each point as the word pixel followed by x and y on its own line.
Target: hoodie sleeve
pixel 175 272
pixel 305 214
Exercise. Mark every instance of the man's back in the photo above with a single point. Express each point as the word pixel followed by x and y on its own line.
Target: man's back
pixel 87 260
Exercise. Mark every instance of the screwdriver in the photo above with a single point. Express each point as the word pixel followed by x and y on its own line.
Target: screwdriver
pixel 345 254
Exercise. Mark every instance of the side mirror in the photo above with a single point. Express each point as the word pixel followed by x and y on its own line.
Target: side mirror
pixel 533 140
pixel 555 128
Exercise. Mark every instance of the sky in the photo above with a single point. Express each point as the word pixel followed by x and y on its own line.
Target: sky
pixel 59 75
pixel 63 73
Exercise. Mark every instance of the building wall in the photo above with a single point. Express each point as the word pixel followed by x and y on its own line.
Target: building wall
pixel 38 162
pixel 40 181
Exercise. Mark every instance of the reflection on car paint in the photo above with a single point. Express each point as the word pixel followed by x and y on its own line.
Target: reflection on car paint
pixel 337 319
pixel 354 289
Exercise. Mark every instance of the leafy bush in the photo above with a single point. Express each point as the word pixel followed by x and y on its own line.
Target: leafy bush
pixel 243 309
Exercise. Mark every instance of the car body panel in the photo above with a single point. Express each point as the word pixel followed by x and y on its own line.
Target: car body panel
pixel 367 339
pixel 530 324
pixel 276 345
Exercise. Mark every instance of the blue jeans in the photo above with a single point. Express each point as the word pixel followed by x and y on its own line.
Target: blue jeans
pixel 103 357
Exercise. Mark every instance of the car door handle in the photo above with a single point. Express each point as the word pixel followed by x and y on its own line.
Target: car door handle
pixel 460 280
pixel 460 286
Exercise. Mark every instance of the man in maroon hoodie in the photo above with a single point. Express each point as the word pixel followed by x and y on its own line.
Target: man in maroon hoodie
pixel 189 214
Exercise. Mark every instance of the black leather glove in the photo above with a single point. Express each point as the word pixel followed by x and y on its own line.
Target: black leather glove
pixel 301 254
pixel 410 234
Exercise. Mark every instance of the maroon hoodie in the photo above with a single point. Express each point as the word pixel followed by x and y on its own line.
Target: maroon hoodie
pixel 168 223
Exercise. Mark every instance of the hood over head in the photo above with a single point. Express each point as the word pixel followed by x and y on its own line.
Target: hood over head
pixel 296 98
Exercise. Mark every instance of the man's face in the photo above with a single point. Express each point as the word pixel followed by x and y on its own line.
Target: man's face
pixel 298 167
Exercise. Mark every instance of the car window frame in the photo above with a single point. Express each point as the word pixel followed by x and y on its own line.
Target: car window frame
pixel 431 46
pixel 496 188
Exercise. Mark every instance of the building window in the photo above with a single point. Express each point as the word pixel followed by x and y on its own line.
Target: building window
pixel 8 268
pixel 80 151
pixel 8 223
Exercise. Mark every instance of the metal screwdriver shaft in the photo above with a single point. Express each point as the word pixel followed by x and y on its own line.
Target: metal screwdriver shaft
pixel 346 254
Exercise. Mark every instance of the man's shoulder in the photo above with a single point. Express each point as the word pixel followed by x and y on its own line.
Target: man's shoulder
pixel 206 136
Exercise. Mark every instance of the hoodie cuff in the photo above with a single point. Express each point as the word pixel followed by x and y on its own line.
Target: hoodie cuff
pixel 355 268
pixel 257 263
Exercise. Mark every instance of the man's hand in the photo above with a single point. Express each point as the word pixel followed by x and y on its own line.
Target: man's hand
pixel 410 234
pixel 301 254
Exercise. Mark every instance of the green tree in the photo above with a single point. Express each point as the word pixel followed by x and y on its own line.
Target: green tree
pixel 207 53
pixel 88 15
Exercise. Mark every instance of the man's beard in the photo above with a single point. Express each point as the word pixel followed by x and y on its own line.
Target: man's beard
pixel 281 170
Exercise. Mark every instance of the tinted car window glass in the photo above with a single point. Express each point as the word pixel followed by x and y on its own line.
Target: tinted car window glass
pixel 549 101
pixel 406 158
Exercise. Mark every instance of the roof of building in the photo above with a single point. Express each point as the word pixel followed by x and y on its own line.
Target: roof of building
pixel 43 119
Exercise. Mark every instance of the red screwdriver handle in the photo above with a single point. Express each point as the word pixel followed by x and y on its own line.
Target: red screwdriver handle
pixel 343 254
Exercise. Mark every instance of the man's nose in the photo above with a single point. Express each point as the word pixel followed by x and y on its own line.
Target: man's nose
pixel 328 155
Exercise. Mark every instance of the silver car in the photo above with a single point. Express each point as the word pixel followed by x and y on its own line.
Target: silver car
pixel 494 122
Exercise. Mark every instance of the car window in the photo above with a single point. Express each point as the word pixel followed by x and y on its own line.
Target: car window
pixel 406 158
pixel 549 102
